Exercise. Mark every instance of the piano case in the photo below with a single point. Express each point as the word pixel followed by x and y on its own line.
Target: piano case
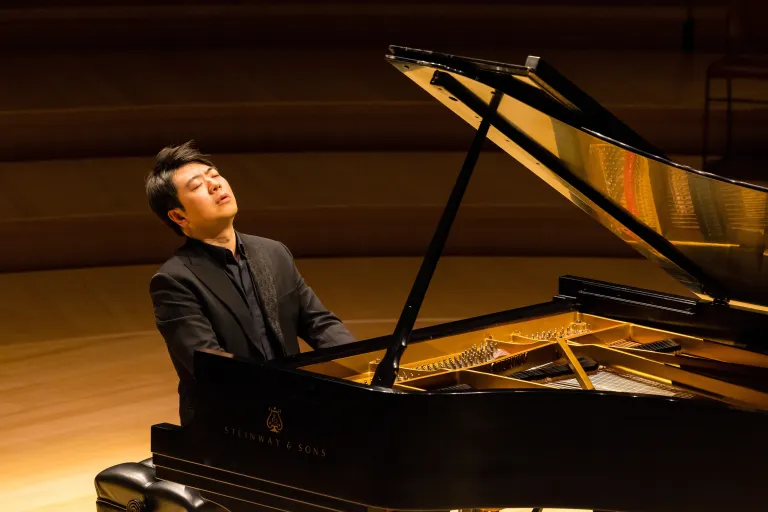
pixel 607 397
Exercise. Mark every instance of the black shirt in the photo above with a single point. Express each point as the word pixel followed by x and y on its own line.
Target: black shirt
pixel 239 274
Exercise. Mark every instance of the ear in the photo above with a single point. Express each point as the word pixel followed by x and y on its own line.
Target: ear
pixel 177 216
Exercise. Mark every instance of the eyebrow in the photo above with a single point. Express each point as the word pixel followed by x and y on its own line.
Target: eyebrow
pixel 198 175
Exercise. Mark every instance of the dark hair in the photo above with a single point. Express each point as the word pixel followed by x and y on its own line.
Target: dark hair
pixel 161 191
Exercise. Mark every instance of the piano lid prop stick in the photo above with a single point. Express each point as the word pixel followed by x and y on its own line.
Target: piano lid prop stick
pixel 386 372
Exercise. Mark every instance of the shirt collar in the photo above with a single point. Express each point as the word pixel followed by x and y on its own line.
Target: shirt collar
pixel 220 254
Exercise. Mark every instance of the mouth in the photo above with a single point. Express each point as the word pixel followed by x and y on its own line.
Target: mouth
pixel 223 199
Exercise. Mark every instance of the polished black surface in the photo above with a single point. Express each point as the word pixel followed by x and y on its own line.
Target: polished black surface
pixel 715 321
pixel 375 447
pixel 707 231
pixel 568 101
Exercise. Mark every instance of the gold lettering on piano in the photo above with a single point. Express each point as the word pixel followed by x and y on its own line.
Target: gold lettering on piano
pixel 267 440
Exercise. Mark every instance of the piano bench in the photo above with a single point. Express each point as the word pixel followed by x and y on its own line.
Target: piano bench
pixel 133 487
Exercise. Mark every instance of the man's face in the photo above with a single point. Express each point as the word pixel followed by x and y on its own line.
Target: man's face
pixel 209 203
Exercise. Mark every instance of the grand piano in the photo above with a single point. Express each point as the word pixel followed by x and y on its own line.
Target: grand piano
pixel 606 398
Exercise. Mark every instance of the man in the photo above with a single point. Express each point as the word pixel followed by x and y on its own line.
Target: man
pixel 223 289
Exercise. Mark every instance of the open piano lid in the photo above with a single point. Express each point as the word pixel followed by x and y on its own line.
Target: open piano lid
pixel 708 232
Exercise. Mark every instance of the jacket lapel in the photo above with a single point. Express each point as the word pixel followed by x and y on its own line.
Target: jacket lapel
pixel 211 276
pixel 265 287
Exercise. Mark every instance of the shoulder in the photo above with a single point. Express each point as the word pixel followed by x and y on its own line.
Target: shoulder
pixel 175 264
pixel 173 269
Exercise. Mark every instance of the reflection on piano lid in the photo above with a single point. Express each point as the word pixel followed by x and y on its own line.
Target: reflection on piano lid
pixel 698 225
pixel 605 398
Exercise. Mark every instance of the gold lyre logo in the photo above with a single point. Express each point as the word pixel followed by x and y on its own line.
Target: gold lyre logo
pixel 274 421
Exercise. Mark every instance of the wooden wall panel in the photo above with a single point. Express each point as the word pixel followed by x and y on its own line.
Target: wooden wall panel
pixel 330 148
pixel 64 214
pixel 343 99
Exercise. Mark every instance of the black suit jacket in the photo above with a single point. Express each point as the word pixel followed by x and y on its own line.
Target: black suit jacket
pixel 197 306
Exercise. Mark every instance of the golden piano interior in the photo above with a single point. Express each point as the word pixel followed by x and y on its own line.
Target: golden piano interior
pixel 573 351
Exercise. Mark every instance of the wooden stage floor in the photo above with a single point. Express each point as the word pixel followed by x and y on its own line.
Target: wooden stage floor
pixel 83 373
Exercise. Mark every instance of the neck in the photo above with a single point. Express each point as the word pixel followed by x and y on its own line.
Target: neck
pixel 223 238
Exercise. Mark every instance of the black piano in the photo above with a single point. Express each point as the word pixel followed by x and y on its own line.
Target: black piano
pixel 606 398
